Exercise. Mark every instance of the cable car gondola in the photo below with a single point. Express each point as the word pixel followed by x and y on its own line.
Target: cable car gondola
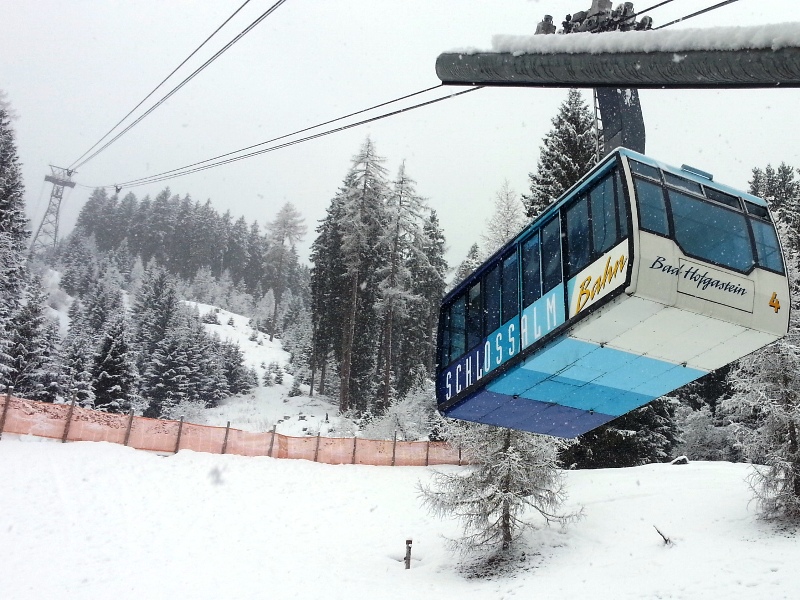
pixel 641 278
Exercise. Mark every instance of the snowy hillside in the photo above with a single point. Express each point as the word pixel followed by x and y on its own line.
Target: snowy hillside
pixel 97 521
pixel 265 406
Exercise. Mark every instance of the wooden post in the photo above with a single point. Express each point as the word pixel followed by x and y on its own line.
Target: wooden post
pixel 225 442
pixel 408 554
pixel 427 452
pixel 69 420
pixel 180 431
pixel 128 430
pixel 355 439
pixel 394 447
pixel 272 440
pixel 9 390
pixel 316 450
pixel 459 455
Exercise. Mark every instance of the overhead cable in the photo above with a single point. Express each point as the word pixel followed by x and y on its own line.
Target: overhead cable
pixel 698 13
pixel 299 131
pixel 244 32
pixel 186 171
pixel 153 91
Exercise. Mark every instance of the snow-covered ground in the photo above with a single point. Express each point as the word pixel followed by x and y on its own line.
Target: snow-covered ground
pixel 95 520
pixel 265 406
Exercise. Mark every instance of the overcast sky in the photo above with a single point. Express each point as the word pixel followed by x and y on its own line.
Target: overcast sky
pixel 73 69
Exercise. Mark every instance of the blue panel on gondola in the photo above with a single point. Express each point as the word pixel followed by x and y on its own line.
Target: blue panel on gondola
pixel 570 387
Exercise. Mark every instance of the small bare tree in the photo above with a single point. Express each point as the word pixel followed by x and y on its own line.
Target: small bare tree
pixel 509 473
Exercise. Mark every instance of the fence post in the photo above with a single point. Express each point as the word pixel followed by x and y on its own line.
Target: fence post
pixel 355 439
pixel 394 446
pixel 69 419
pixel 128 430
pixel 9 390
pixel 459 455
pixel 180 431
pixel 408 554
pixel 225 442
pixel 272 440
pixel 316 450
pixel 427 452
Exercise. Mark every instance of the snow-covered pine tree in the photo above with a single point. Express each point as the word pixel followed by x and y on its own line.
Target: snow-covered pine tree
pixel 412 416
pixel 328 290
pixel 509 472
pixel 645 435
pixel 165 383
pixel 77 360
pixel 13 231
pixel 567 153
pixel 766 409
pixel 78 263
pixel 471 262
pixel 428 268
pixel 114 374
pixel 782 191
pixel 285 231
pixel 237 254
pixel 103 299
pixel 404 209
pixel 364 219
pixel 506 221
pixel 154 312
pixel 28 359
pixel 241 378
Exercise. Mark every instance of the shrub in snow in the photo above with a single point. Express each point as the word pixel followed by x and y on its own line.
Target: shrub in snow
pixel 295 390
pixel 413 416
pixel 700 438
pixel 276 371
pixel 211 317
pixel 231 322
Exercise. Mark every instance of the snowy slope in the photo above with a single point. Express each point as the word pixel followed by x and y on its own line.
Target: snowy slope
pixel 265 407
pixel 97 521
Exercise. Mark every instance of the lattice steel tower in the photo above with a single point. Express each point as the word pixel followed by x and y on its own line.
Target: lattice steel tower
pixel 46 235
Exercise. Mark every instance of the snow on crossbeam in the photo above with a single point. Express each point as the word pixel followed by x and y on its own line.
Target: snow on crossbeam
pixel 732 57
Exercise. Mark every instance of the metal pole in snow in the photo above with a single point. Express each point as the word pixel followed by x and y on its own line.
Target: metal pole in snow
pixel 69 419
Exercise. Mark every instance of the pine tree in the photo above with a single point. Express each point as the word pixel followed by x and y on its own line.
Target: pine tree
pixel 328 291
pixel 285 231
pixel 509 471
pixel 428 268
pixel 766 409
pixel 27 362
pixel 114 374
pixel 782 191
pixel 165 382
pixel 645 435
pixel 155 310
pixel 471 262
pixel 506 221
pixel 567 153
pixel 363 221
pixel 404 209
pixel 13 232
pixel 77 360
pixel 78 263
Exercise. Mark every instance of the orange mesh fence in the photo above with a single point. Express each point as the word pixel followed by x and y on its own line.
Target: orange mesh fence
pixel 202 438
pixel 73 423
pixel 248 443
pixel 153 434
pixel 442 453
pixel 335 451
